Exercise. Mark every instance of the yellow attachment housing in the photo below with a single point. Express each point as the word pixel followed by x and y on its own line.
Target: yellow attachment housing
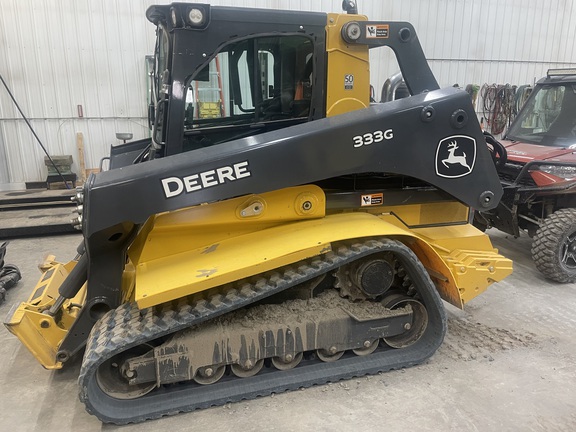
pixel 42 334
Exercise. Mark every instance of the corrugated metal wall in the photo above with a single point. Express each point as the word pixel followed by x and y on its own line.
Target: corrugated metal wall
pixel 59 54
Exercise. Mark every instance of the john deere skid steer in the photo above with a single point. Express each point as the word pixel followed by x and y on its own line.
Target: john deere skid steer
pixel 277 231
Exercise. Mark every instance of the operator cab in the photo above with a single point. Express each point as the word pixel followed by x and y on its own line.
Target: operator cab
pixel 222 74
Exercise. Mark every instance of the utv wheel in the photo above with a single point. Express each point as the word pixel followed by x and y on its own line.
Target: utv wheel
pixel 554 246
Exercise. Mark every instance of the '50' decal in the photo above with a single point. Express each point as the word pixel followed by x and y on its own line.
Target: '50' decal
pixel 372 137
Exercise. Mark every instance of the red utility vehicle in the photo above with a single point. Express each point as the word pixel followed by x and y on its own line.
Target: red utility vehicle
pixel 538 172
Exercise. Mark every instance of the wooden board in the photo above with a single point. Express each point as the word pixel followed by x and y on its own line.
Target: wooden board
pixel 81 162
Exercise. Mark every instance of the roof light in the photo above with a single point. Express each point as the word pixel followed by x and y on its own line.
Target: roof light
pixel 196 16
pixel 561 72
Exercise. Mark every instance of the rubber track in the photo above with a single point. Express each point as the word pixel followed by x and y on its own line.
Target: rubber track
pixel 127 326
pixel 546 244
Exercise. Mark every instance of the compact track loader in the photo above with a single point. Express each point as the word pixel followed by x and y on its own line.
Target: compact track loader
pixel 277 231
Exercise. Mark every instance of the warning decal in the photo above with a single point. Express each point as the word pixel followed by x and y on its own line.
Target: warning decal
pixel 372 199
pixel 348 82
pixel 377 31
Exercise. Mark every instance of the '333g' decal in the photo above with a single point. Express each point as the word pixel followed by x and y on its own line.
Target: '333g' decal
pixel 372 137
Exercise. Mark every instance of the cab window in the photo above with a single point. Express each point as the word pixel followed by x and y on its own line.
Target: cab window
pixel 260 80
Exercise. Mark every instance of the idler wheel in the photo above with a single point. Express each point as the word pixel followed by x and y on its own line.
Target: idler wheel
pixel 413 331
pixel 369 348
pixel 248 369
pixel 209 374
pixel 114 381
pixel 326 356
pixel 287 362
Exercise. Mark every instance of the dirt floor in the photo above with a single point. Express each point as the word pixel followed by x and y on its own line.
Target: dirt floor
pixel 507 364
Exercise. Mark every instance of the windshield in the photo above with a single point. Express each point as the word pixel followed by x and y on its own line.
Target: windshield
pixel 549 117
pixel 253 80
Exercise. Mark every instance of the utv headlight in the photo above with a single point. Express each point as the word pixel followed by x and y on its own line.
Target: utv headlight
pixel 565 172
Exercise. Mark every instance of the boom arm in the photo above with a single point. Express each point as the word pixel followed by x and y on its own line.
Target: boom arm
pixel 302 154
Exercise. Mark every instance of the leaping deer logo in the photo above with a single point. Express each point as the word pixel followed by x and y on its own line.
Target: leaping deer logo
pixel 453 158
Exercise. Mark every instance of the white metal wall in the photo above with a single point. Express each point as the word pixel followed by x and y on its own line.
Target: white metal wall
pixel 58 54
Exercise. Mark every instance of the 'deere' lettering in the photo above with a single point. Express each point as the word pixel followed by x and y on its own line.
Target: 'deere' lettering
pixel 174 186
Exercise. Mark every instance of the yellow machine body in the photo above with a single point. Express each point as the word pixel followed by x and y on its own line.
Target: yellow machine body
pixel 191 250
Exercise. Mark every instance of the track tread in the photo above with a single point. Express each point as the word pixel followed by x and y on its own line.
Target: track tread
pixel 546 243
pixel 127 326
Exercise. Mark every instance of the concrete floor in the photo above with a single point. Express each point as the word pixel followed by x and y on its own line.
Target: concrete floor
pixel 507 364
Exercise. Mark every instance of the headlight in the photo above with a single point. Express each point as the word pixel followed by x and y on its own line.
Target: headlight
pixel 196 16
pixel 565 172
